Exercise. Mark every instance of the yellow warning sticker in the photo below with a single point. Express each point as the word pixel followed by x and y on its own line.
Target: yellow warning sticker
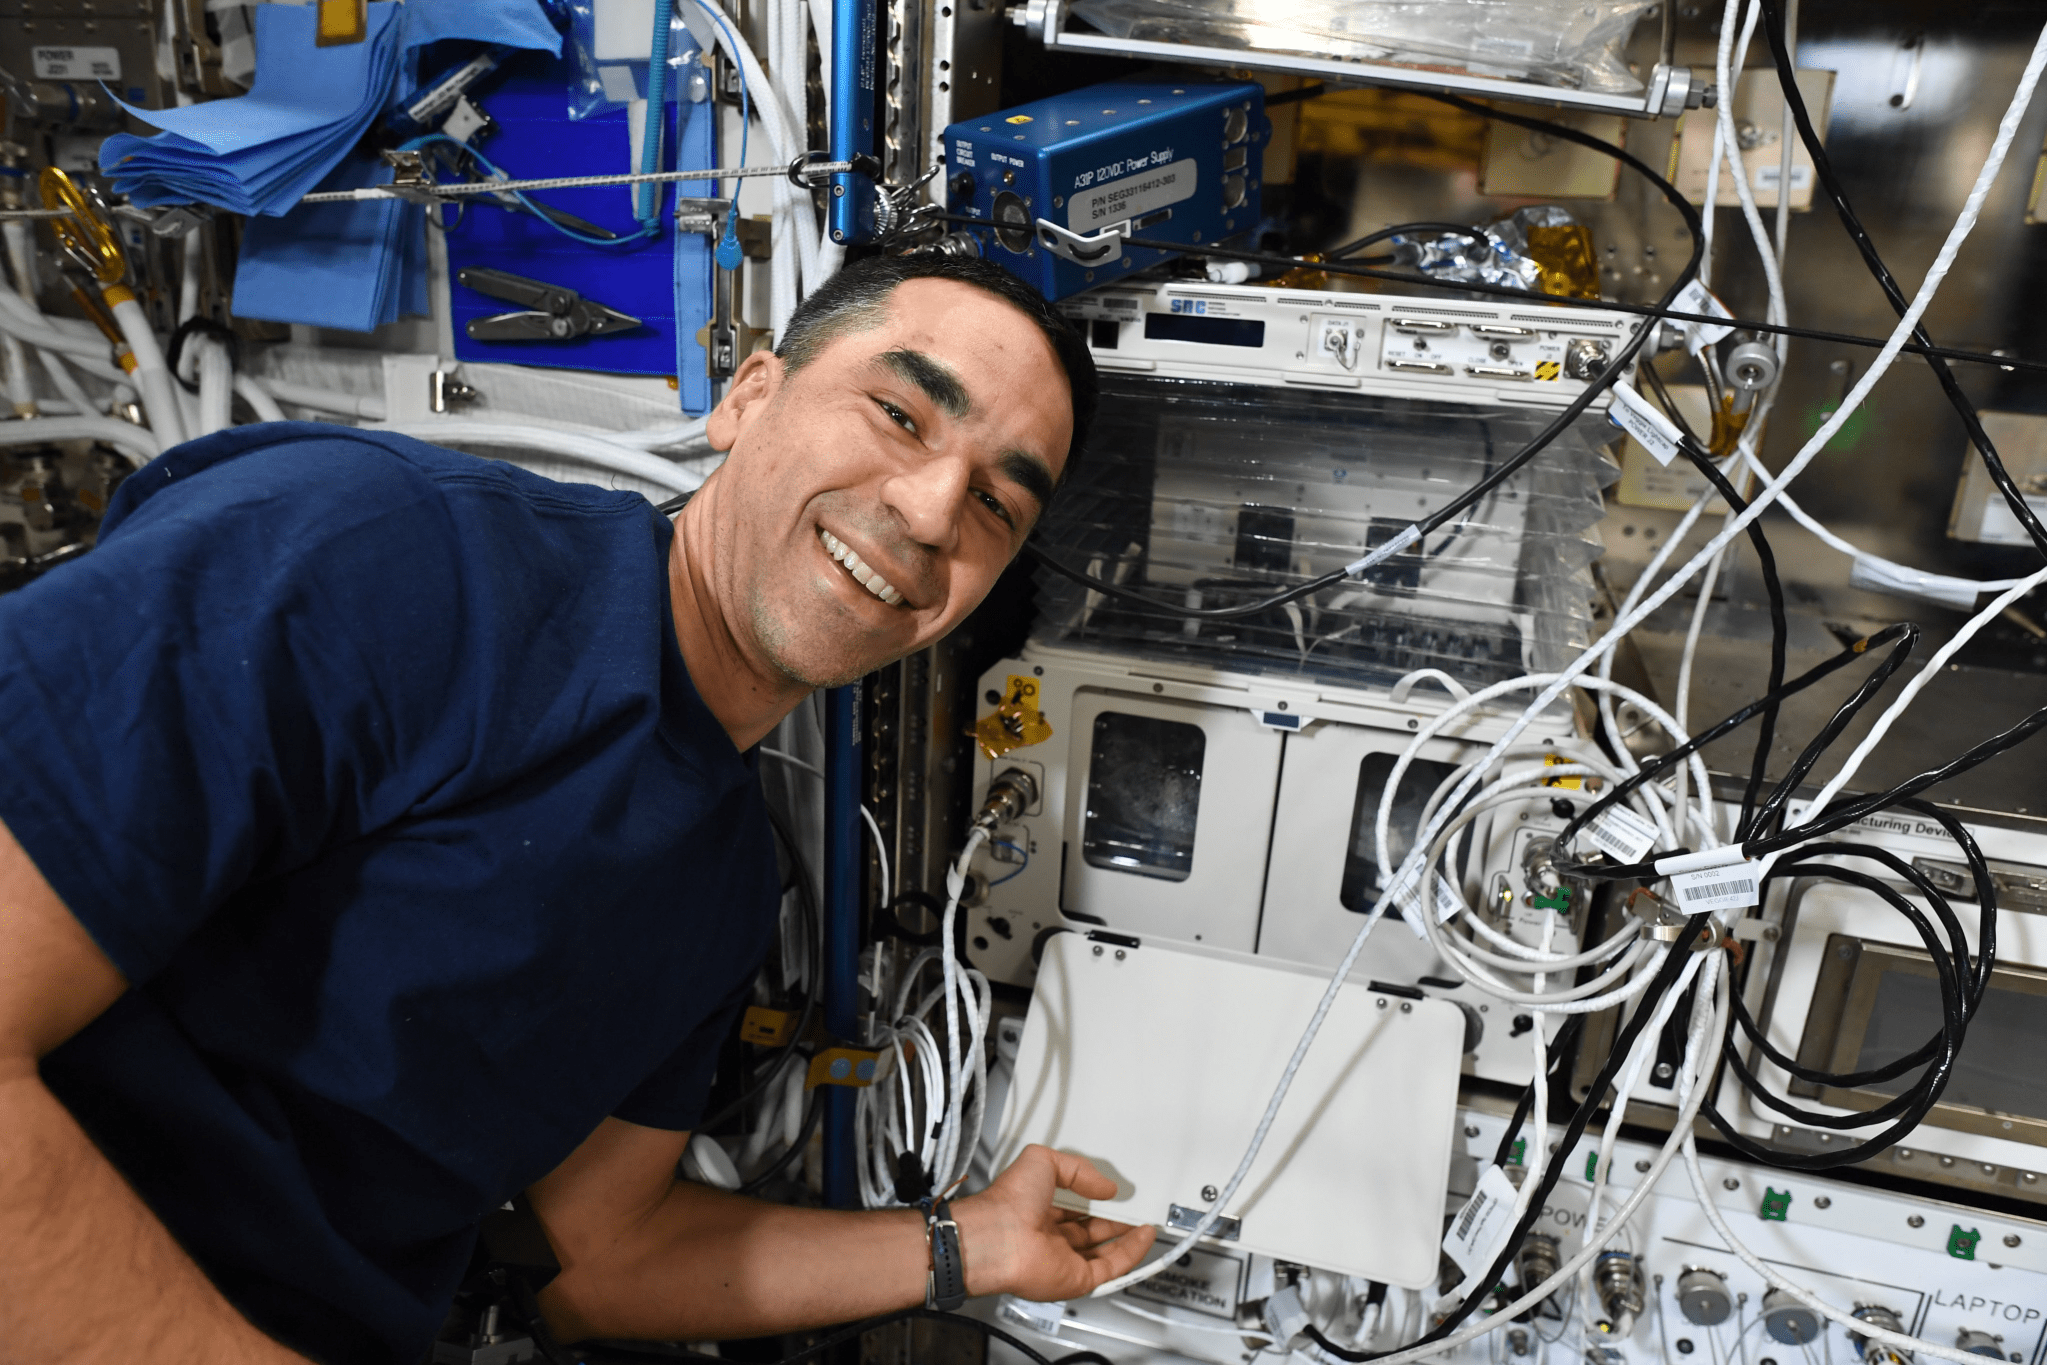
pixel 1547 369
pixel 1018 118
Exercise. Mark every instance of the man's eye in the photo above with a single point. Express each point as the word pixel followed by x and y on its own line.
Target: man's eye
pixel 995 505
pixel 897 415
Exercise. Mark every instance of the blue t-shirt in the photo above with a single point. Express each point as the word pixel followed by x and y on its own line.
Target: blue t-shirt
pixel 377 771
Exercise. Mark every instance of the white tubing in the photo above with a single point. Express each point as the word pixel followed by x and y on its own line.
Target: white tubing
pixel 60 375
pixel 216 387
pixel 135 442
pixel 21 394
pixel 21 257
pixel 259 400
pixel 561 445
pixel 326 400
pixel 188 279
pixel 159 390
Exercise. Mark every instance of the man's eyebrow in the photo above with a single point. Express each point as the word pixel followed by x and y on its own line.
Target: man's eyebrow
pixel 935 380
pixel 1029 473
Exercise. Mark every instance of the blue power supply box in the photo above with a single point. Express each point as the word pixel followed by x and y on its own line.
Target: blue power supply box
pixel 1062 181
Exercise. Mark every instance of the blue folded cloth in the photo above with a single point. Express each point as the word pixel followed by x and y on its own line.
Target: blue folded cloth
pixel 309 105
pixel 300 127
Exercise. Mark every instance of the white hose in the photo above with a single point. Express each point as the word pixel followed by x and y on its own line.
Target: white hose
pixel 135 442
pixel 21 394
pixel 563 445
pixel 152 376
pixel 188 278
pixel 60 375
pixel 216 387
pixel 326 400
pixel 259 400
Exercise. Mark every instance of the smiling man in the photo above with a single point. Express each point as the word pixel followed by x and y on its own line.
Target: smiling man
pixel 380 843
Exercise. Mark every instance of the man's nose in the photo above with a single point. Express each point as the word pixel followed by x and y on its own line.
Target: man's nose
pixel 928 497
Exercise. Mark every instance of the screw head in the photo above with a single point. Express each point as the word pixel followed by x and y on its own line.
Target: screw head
pixel 1642 1166
pixel 1821 1201
pixel 1208 1193
pixel 1098 950
pixel 1407 1007
pixel 2011 1239
pixel 1471 1130
pixel 1916 1221
pixel 1730 1184
pixel 1119 954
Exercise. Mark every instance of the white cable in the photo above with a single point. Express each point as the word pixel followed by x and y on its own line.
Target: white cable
pixel 561 445
pixel 1927 673
pixel 1943 262
pixel 188 279
pixel 259 400
pixel 327 400
pixel 159 390
pixel 783 756
pixel 949 1132
pixel 60 375
pixel 880 851
pixel 137 443
pixel 216 386
pixel 1146 1313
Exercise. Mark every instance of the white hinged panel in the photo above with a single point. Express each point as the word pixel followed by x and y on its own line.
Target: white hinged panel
pixel 1154 1062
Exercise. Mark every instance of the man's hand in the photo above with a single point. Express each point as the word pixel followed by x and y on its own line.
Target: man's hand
pixel 1015 1241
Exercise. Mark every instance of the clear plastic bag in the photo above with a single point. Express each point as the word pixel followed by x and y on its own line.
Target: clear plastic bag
pixel 1571 43
pixel 611 41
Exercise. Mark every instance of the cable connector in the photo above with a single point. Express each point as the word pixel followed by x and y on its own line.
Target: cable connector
pixel 1013 792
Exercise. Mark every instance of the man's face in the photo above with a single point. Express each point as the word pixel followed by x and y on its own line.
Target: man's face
pixel 872 497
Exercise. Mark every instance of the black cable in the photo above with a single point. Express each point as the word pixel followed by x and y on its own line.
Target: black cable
pixel 806 895
pixel 1507 469
pixel 1823 167
pixel 1374 238
pixel 1482 1284
pixel 812 1113
pixel 1669 405
pixel 1780 630
pixel 1560 1048
pixel 1964 980
pixel 1903 636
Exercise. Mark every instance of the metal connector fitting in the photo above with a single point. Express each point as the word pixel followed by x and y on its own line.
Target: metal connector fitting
pixel 1013 792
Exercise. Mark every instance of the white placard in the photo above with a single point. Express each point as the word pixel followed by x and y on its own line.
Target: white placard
pixel 1482 1224
pixel 76 63
pixel 1715 888
pixel 1694 298
pixel 1639 418
pixel 1622 835
pixel 1131 196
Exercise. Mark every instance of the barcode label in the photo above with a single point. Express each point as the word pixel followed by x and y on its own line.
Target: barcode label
pixel 1483 1223
pixel 1449 905
pixel 1715 888
pixel 1699 335
pixel 1622 835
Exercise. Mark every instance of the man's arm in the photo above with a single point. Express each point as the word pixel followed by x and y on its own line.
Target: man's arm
pixel 647 1256
pixel 91 1274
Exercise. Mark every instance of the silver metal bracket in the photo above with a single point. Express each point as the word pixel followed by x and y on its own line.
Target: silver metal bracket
pixel 1091 249
pixel 1180 1218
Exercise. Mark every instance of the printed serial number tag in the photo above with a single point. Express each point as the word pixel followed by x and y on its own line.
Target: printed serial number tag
pixel 1622 835
pixel 1653 431
pixel 1715 888
pixel 1448 903
pixel 1482 1224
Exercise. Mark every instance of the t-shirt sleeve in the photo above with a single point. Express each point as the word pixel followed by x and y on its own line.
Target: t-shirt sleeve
pixel 204 700
pixel 674 1096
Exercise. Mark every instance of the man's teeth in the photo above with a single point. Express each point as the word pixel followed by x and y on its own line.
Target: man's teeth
pixel 853 564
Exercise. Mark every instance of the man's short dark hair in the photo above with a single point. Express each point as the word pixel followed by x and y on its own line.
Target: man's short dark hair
pixel 857 298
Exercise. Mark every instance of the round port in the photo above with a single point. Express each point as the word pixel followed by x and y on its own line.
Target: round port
pixel 1703 1298
pixel 1012 222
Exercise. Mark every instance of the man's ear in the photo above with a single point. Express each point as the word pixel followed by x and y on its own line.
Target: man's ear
pixel 758 380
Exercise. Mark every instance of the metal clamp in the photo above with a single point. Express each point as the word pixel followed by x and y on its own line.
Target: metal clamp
pixel 411 177
pixel 1090 249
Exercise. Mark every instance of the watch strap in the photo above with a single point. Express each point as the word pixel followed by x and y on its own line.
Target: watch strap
pixel 946 1288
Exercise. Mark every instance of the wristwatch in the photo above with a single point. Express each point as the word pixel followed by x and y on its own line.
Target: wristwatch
pixel 946 1289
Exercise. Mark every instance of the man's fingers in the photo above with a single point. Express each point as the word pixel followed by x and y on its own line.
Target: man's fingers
pixel 1078 1174
pixel 1110 1259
